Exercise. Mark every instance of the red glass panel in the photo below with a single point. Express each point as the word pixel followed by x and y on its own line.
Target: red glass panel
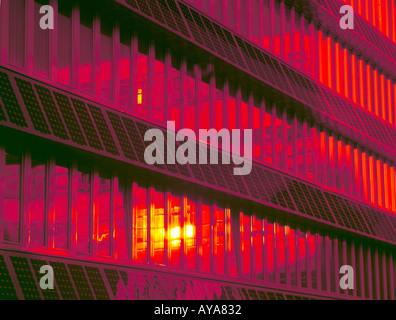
pixel 204 248
pixel 139 224
pixel 157 227
pixel 61 208
pixel 104 216
pixel 175 231
pixel 83 213
pixel 190 234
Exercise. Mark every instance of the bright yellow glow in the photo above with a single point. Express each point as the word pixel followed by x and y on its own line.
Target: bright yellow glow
pixel 175 233
pixel 140 96
pixel 190 231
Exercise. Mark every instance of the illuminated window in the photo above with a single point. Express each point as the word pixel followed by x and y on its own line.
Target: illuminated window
pixel 218 241
pixel 175 231
pixel 189 98
pixel 245 245
pixel 174 91
pixel 204 246
pixel 312 252
pixel 204 112
pixel 121 220
pixel 37 205
pixel 139 224
pixel 302 258
pixel 157 227
pixel 290 235
pixel 269 251
pixel 158 91
pixel 142 80
pixel 83 215
pixel 257 254
pixel 103 208
pixel 125 67
pixel 12 197
pixel 190 234
pixel 280 247
pixel 61 208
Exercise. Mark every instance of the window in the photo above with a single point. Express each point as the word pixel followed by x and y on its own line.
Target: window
pixel 175 231
pixel 84 225
pixel 280 247
pixel 157 227
pixel 122 219
pixel 218 241
pixel 257 254
pixel 302 258
pixel 12 197
pixel 269 250
pixel 139 236
pixel 174 91
pixel 190 234
pixel 245 245
pixel 61 208
pixel 104 224
pixel 125 68
pixel 16 54
pixel 189 96
pixel 204 247
pixel 290 240
pixel 142 80
pixel 106 59
pixel 86 49
pixel 65 42
pixel 158 91
pixel 37 203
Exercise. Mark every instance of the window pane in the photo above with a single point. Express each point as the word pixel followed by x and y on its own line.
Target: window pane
pixel 302 258
pixel 121 217
pixel 190 235
pixel 245 244
pixel 106 59
pixel 65 43
pixel 86 49
pixel 142 73
pixel 157 227
pixel 158 92
pixel 16 54
pixel 83 211
pixel 12 197
pixel 313 260
pixel 204 248
pixel 104 231
pixel 61 209
pixel 258 247
pixel 189 94
pixel 219 237
pixel 125 68
pixel 175 231
pixel 291 249
pixel 269 231
pixel 174 91
pixel 280 247
pixel 37 202
pixel 139 224
pixel 41 42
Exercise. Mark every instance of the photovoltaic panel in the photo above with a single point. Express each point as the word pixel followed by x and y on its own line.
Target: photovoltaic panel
pixel 246 55
pixel 32 106
pixel 156 11
pixel 87 124
pixel 70 119
pixel 53 116
pixel 2 113
pixel 213 36
pixel 234 48
pixel 135 138
pixel 202 29
pixel 224 43
pixel 183 169
pixel 63 281
pixel 132 3
pixel 228 178
pixel 51 294
pixel 144 7
pixel 121 135
pixel 170 167
pixel 168 15
pixel 113 278
pixel 103 129
pixel 251 186
pixel 80 282
pixel 25 278
pixel 97 283
pixel 379 224
pixel 7 291
pixel 178 18
pixel 187 15
pixel 10 101
pixel 238 180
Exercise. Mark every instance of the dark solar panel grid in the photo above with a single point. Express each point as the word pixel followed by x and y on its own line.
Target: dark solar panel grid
pixel 246 55
pixel 144 7
pixel 25 278
pixel 97 283
pixel 178 18
pixel 104 130
pixel 132 3
pixel 191 23
pixel 135 138
pixel 121 135
pixel 202 29
pixel 168 15
pixel 32 106
pixel 7 291
pixel 213 35
pixel 53 115
pixel 80 282
pixel 87 124
pixel 70 119
pixel 113 278
pixel 63 281
pixel 10 101
pixel 156 11
pixel 234 48
pixel 48 294
pixel 223 40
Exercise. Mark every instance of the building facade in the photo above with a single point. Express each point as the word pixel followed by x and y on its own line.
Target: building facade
pixel 76 192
